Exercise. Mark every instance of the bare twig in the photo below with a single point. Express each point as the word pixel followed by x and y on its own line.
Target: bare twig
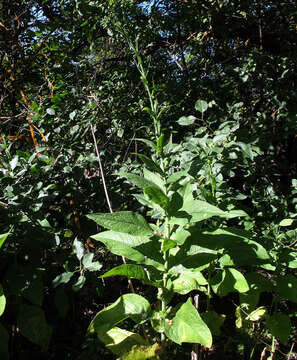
pixel 101 170
pixel 106 193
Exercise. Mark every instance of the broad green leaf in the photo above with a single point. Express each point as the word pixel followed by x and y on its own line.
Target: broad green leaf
pixel 167 244
pixel 155 179
pixel 157 196
pixel 87 259
pixel 34 288
pixel 33 326
pixel 128 305
pixel 280 326
pixel 78 249
pixel 286 222
pixel 201 210
pixel 176 176
pixel 214 321
pixel 2 300
pixel 187 282
pixel 186 120
pixel 62 279
pixel 137 180
pixel 132 271
pixel 180 235
pixel 123 221
pixel 257 284
pixel 4 336
pixel 150 143
pixel 141 352
pixel 3 237
pixel 234 214
pixel 287 287
pixel 234 242
pixel 121 341
pixel 150 164
pixel 79 283
pixel 201 106
pixel 188 326
pixel 141 249
pixel 227 281
pixel 257 314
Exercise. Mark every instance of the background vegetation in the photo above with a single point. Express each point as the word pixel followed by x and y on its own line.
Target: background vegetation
pixel 224 75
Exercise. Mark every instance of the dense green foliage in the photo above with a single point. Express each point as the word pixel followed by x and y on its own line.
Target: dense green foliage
pixel 193 102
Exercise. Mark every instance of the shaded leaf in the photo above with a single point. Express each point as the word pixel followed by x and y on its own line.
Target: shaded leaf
pixel 287 287
pixel 4 336
pixel 186 120
pixel 280 326
pixel 157 196
pixel 33 326
pixel 62 278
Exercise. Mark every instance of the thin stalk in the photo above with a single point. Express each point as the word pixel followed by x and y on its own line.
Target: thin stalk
pixel 106 194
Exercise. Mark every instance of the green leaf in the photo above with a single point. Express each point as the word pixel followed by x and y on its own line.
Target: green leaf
pixel 227 281
pixel 141 249
pixel 188 326
pixel 235 243
pixel 157 196
pixel 287 287
pixel 62 279
pixel 34 288
pixel 155 179
pixel 137 180
pixel 3 237
pixel 123 221
pixel 2 300
pixel 186 120
pixel 4 336
pixel 141 352
pixel 121 341
pixel 257 284
pixel 201 106
pixel 214 321
pixel 280 326
pixel 132 271
pixel 150 164
pixel 147 142
pixel 160 144
pixel 78 249
pixel 257 314
pixel 187 282
pixel 201 210
pixel 128 305
pixel 79 283
pixel 33 326
pixel 286 222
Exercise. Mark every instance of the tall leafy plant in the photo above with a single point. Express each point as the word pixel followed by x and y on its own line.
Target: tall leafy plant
pixel 175 252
